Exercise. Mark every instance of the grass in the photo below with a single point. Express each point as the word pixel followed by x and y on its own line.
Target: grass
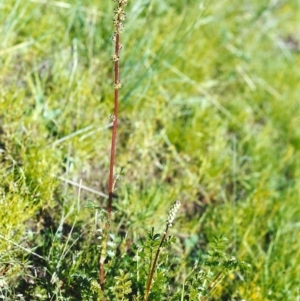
pixel 209 115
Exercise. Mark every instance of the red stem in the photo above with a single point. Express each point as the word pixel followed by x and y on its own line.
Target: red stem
pixel 115 124
pixel 150 278
pixel 113 143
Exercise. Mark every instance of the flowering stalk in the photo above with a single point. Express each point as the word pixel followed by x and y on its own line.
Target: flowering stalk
pixel 119 16
pixel 171 218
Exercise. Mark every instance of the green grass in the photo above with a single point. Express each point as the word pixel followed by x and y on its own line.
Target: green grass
pixel 209 115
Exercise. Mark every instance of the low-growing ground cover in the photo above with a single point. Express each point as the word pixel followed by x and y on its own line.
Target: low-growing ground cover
pixel 209 115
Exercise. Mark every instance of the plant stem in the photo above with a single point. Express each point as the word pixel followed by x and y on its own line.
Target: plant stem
pixel 115 120
pixel 118 17
pixel 212 285
pixel 150 278
pixel 170 220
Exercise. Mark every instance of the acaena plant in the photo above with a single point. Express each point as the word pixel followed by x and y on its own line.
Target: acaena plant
pixel 139 276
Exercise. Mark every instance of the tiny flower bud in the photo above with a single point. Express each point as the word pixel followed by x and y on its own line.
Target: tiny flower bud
pixel 118 11
pixel 115 58
pixel 120 29
pixel 112 117
pixel 118 86
pixel 122 16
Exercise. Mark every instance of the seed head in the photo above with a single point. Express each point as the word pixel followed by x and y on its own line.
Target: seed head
pixel 172 213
